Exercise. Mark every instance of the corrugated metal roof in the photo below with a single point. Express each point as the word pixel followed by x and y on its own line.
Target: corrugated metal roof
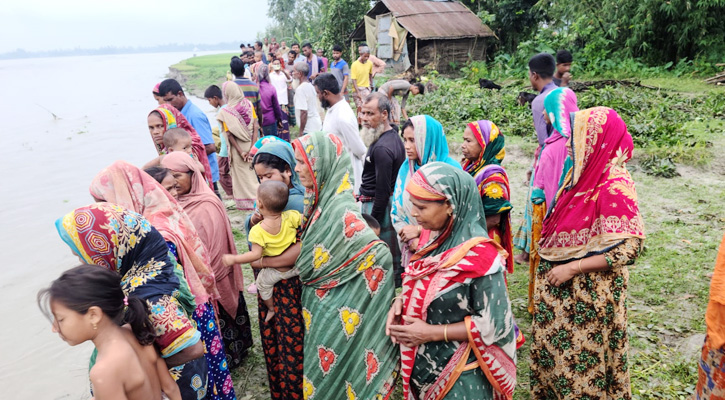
pixel 426 19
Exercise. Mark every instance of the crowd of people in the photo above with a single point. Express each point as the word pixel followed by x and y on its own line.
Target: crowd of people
pixel 379 259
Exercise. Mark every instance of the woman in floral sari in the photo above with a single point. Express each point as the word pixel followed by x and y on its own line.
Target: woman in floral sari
pixel 128 186
pixel 125 242
pixel 166 117
pixel 237 121
pixel 424 142
pixel 210 219
pixel 592 232
pixel 711 371
pixel 347 277
pixel 558 104
pixel 453 321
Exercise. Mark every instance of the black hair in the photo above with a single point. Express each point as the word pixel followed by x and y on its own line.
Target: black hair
pixel 328 82
pixel 274 195
pixel 241 46
pixel 294 44
pixel 249 53
pixel 420 86
pixel 170 86
pixel 258 43
pixel 213 91
pixel 294 53
pixel 563 57
pixel 271 161
pixel 307 45
pixel 362 44
pixel 87 286
pixel 237 66
pixel 158 173
pixel 543 64
pixel 337 47
pixel 406 125
pixel 372 222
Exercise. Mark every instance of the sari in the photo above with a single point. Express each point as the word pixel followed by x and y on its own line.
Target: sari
pixel 580 327
pixel 125 242
pixel 457 276
pixel 431 145
pixel 711 368
pixel 493 146
pixel 128 186
pixel 347 277
pixel 210 219
pixel 174 119
pixel 237 120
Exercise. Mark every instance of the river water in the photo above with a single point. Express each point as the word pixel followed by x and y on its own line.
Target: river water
pixel 101 104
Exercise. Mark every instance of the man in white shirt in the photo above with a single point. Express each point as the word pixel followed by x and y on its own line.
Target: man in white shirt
pixel 306 112
pixel 340 120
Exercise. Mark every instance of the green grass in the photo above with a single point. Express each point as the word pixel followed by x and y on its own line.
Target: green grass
pixel 198 73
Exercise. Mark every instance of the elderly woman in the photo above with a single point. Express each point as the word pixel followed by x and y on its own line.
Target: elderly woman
pixel 424 142
pixel 347 277
pixel 592 231
pixel 453 321
pixel 237 121
pixel 128 186
pixel 210 219
pixel 125 242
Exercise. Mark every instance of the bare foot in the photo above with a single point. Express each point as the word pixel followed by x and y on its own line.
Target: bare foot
pixel 270 315
pixel 522 258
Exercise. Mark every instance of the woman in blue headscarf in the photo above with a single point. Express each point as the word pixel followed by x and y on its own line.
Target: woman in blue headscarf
pixel 424 142
pixel 282 336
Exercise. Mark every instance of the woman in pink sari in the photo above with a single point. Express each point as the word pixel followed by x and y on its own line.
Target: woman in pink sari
pixel 212 224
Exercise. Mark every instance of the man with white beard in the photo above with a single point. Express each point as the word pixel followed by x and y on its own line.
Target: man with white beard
pixel 340 120
pixel 385 155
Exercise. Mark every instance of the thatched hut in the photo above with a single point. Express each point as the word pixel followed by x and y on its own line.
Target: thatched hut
pixel 419 33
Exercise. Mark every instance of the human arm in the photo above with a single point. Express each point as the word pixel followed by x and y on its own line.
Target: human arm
pixel 153 163
pixel 254 254
pixel 351 137
pixel 565 79
pixel 383 181
pixel 203 128
pixel 617 257
pixel 403 102
pixel 276 108
pixel 168 385
pixel 303 121
pixel 286 259
pixel 414 331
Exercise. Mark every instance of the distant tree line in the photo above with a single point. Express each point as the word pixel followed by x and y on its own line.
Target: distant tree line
pixel 106 50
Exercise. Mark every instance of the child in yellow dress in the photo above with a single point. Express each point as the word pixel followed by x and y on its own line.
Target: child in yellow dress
pixel 269 238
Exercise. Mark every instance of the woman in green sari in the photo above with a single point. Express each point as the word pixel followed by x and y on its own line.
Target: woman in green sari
pixel 453 320
pixel 347 278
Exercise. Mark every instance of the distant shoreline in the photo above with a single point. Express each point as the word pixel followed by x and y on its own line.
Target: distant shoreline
pixel 104 51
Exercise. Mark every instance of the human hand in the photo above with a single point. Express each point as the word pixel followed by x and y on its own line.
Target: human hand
pixel 413 333
pixel 396 309
pixel 561 273
pixel 565 79
pixel 228 260
pixel 257 217
pixel 409 232
pixel 413 244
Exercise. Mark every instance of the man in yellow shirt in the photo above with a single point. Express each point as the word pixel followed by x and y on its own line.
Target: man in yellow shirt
pixel 361 74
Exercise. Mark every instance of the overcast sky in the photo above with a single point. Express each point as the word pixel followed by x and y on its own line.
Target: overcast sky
pixel 65 24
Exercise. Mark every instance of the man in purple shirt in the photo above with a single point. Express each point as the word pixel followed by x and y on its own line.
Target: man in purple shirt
pixel 541 74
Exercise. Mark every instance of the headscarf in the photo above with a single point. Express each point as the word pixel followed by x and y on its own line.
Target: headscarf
pixel 493 186
pixel 492 144
pixel 559 104
pixel 210 219
pixel 128 186
pixel 283 150
pixel 431 145
pixel 156 89
pixel 263 73
pixel 174 119
pixel 347 276
pixel 715 315
pixel 596 208
pixel 462 251
pixel 123 241
pixel 238 114
pixel 264 140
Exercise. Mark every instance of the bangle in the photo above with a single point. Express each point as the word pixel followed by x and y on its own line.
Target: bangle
pixel 445 333
pixel 580 265
pixel 261 262
pixel 396 298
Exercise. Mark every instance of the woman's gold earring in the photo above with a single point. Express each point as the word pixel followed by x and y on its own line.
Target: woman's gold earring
pixel 95 327
pixel 450 213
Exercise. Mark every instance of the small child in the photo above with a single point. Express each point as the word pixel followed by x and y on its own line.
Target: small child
pixel 372 223
pixel 177 139
pixel 269 238
pixel 87 303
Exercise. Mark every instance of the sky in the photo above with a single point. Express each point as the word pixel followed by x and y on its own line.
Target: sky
pixel 41 25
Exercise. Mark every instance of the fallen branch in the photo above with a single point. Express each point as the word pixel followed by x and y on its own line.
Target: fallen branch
pixel 580 86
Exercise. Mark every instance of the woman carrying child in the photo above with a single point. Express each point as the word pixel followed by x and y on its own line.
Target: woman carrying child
pixel 210 219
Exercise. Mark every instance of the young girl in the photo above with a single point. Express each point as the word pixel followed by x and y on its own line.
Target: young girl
pixel 87 303
pixel 271 237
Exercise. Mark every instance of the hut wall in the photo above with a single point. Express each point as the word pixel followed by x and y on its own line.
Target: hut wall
pixel 439 54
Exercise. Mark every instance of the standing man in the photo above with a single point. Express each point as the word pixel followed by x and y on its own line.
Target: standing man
pixel 340 69
pixel 341 121
pixel 401 88
pixel 259 46
pixel 385 155
pixel 265 46
pixel 172 93
pixel 361 74
pixel 314 64
pixel 378 65
pixel 248 87
pixel 273 46
pixel 321 56
pixel 306 113
pixel 283 48
pixel 563 66
pixel 213 95
pixel 296 48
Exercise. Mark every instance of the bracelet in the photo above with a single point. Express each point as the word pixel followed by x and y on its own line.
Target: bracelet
pixel 396 298
pixel 580 265
pixel 445 333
